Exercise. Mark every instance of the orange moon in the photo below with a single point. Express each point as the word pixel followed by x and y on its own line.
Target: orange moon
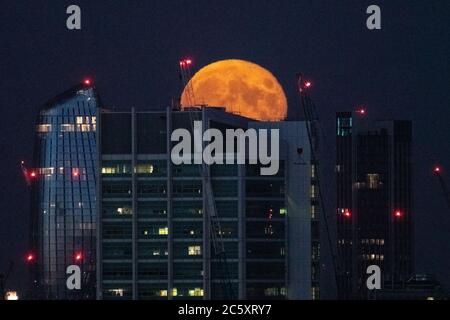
pixel 242 87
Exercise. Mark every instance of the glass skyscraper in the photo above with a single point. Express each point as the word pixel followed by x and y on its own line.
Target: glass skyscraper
pixel 63 180
pixel 374 208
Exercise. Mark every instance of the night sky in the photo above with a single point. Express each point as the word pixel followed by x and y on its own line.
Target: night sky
pixel 131 49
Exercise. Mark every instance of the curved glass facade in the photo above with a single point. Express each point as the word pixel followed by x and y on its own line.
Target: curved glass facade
pixel 64 189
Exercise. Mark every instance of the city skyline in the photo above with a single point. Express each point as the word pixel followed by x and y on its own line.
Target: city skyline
pixel 374 71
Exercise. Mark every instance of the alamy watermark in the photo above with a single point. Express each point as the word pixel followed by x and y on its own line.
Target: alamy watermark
pixel 237 146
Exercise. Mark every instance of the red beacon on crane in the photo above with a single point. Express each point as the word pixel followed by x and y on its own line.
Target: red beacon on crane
pixel 185 62
pixel 361 111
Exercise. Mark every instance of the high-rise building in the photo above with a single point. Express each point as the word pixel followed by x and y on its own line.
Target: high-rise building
pixel 63 182
pixel 374 202
pixel 160 235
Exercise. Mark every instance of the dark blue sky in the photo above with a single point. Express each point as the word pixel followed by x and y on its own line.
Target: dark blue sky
pixel 132 49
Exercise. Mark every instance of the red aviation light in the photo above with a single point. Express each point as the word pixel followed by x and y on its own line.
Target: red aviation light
pixel 30 258
pixel 78 257
pixel 437 170
pixel 75 173
pixel 398 214
pixel 185 62
pixel 87 81
pixel 308 84
pixel 361 111
pixel 33 174
pixel 347 213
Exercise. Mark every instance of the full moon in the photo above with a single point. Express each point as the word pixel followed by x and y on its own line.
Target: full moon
pixel 242 87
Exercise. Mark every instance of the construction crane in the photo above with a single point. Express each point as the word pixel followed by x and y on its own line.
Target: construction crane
pixel 185 76
pixel 4 279
pixel 211 210
pixel 309 109
pixel 438 173
pixel 27 174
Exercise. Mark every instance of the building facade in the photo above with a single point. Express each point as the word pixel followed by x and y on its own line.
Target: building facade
pixel 374 203
pixel 192 231
pixel 63 182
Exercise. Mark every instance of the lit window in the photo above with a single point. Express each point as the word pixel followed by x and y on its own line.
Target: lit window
pixel 46 171
pixel 117 292
pixel 174 292
pixel 271 292
pixel 283 211
pixel 313 191
pixel 85 127
pixel 313 212
pixel 94 120
pixel 313 171
pixel 67 128
pixel 144 169
pixel 124 211
pixel 163 293
pixel 79 120
pixel 194 250
pixel 269 230
pixel 108 170
pixel 197 292
pixel 373 180
pixel 44 128
pixel 163 231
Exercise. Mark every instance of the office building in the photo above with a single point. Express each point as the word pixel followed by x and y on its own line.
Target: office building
pixel 192 231
pixel 374 202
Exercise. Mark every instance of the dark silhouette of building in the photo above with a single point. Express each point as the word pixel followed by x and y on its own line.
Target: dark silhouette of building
pixel 374 202
pixel 63 184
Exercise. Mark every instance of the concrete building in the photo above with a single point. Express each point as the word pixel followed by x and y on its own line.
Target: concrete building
pixel 160 235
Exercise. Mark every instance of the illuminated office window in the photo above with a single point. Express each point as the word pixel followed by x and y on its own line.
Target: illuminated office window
pixel 163 231
pixel 44 128
pixel 67 128
pixel 144 169
pixel 313 191
pixel 194 250
pixel 373 180
pixel 116 292
pixel 197 292
pixel 124 211
pixel 79 120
